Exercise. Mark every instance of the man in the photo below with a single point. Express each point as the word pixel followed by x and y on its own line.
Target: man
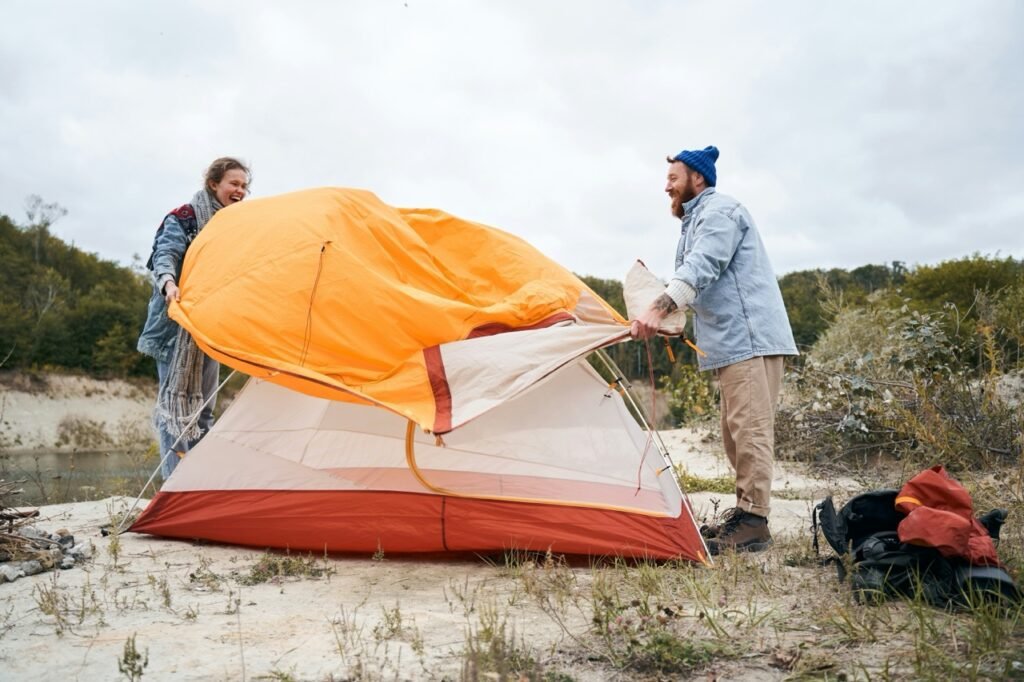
pixel 723 274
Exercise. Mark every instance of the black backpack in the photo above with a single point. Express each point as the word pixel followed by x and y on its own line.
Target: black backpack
pixel 864 536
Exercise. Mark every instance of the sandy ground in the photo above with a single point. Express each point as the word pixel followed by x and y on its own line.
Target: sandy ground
pixel 795 494
pixel 184 604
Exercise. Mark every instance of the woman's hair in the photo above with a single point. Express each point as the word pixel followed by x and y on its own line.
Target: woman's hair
pixel 215 173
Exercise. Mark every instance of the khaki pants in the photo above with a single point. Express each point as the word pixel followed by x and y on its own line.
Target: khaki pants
pixel 750 391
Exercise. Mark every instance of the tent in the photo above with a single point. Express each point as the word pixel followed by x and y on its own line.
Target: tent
pixel 420 384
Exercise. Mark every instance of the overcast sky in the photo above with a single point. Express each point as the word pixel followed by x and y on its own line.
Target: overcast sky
pixel 854 132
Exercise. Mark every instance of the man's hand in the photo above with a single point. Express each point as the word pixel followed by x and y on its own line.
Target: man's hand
pixel 171 292
pixel 647 325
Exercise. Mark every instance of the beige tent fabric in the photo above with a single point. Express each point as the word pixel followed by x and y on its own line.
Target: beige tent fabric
pixel 569 438
pixel 640 289
pixel 483 373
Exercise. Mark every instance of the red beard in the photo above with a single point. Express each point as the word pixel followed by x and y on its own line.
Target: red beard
pixel 677 204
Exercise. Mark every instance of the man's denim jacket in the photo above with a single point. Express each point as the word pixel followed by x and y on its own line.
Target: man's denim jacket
pixel 169 246
pixel 739 309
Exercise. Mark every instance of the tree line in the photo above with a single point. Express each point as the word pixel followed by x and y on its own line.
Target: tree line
pixel 63 308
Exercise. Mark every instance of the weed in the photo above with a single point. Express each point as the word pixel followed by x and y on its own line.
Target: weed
pixel 390 625
pixel 203 579
pixel 66 610
pixel 493 652
pixel 234 603
pixel 5 621
pixel 162 587
pixel 415 641
pixel 50 602
pixel 456 594
pixel 114 549
pixel 347 631
pixel 274 567
pixel 131 663
pixel 693 483
pixel 118 516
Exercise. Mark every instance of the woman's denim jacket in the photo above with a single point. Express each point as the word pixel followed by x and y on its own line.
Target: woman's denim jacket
pixel 739 312
pixel 169 246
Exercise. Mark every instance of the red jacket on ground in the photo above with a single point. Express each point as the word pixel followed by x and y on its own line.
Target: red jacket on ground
pixel 940 514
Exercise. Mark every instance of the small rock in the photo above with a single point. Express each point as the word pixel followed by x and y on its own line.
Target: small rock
pixel 67 562
pixel 31 567
pixel 82 551
pixel 33 533
pixel 10 572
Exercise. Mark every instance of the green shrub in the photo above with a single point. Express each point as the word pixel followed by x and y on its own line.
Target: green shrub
pixel 895 382
pixel 690 396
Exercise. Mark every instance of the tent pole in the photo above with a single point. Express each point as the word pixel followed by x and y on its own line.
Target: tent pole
pixel 621 378
pixel 645 420
pixel 170 450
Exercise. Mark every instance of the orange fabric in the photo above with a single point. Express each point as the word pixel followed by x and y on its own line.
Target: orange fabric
pixel 334 293
pixel 934 488
pixel 940 514
pixel 943 530
pixel 358 521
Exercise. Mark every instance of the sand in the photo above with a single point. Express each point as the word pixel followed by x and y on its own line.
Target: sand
pixel 383 618
pixel 67 412
pixel 197 627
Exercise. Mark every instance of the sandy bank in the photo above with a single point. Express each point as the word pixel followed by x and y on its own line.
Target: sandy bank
pixel 68 412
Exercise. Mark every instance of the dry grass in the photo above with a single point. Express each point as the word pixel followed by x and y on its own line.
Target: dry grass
pixel 776 615
pixel 779 613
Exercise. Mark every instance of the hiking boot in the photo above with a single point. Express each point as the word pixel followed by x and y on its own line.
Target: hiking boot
pixel 741 532
pixel 711 530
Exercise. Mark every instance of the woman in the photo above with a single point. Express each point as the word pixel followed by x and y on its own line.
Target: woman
pixel 226 182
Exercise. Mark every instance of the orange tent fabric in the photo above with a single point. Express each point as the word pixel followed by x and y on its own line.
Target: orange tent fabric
pixel 336 294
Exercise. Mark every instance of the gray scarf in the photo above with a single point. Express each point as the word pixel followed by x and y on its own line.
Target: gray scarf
pixel 181 397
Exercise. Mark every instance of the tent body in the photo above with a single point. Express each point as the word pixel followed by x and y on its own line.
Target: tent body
pixel 369 330
pixel 561 467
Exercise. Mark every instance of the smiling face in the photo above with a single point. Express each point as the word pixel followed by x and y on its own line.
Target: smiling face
pixel 682 185
pixel 232 188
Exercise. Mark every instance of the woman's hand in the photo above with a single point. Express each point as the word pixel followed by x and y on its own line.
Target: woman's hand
pixel 171 292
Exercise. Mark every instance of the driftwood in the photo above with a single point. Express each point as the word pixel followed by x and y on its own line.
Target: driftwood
pixel 8 514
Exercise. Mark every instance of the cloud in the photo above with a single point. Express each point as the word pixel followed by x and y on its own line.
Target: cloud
pixel 885 132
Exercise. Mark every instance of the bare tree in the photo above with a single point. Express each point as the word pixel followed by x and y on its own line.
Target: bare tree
pixel 41 216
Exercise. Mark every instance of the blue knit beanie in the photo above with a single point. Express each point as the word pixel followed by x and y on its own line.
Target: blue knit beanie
pixel 702 161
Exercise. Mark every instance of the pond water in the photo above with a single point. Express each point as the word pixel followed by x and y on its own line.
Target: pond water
pixel 57 477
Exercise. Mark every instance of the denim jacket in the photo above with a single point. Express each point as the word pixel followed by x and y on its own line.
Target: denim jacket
pixel 169 246
pixel 739 312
